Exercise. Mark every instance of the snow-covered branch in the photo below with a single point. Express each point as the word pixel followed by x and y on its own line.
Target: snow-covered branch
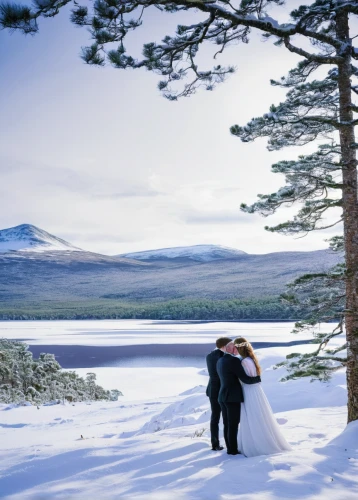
pixel 174 58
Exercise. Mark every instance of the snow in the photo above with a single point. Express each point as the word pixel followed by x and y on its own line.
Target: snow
pixel 159 448
pixel 166 381
pixel 27 237
pixel 203 253
pixel 154 442
pixel 129 332
pixel 288 27
pixel 133 383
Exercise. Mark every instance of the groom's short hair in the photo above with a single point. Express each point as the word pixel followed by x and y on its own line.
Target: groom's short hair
pixel 222 342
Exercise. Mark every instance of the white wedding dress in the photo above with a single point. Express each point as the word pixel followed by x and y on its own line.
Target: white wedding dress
pixel 259 433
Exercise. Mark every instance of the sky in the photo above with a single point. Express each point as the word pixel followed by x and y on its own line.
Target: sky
pixel 98 157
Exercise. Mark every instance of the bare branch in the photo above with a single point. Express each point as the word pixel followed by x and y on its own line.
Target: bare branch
pixel 312 57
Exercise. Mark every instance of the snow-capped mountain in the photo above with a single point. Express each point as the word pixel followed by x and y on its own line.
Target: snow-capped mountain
pixel 200 253
pixel 37 266
pixel 27 237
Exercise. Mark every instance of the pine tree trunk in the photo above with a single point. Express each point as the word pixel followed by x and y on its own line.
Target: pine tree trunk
pixel 350 215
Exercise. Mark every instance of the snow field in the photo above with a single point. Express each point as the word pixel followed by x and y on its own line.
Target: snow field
pixel 158 448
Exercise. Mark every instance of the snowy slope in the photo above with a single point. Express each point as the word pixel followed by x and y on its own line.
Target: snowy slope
pixel 44 456
pixel 201 253
pixel 159 448
pixel 29 237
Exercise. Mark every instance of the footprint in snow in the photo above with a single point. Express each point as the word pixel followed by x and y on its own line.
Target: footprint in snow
pixel 281 421
pixel 282 467
pixel 60 420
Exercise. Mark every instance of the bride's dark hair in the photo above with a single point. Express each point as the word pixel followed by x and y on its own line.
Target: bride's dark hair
pixel 246 351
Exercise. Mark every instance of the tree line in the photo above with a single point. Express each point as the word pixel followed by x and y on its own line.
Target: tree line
pixel 179 309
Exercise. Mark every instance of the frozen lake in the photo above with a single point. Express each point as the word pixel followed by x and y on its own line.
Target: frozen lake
pixel 138 332
pixel 158 358
pixel 91 344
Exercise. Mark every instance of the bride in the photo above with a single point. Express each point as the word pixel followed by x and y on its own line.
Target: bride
pixel 259 433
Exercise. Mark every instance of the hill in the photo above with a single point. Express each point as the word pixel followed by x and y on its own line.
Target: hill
pixel 198 253
pixel 69 278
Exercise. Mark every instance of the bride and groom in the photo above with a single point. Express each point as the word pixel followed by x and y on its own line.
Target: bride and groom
pixel 244 404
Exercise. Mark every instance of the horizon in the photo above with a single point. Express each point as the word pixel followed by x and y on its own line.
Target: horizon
pixel 151 249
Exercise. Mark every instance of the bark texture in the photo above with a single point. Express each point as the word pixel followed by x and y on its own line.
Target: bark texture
pixel 350 214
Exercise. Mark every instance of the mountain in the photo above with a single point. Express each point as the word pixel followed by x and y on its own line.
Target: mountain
pixel 36 275
pixel 27 237
pixel 198 253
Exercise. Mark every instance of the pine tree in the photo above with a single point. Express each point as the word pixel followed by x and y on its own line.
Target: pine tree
pixel 322 297
pixel 312 109
pixel 37 381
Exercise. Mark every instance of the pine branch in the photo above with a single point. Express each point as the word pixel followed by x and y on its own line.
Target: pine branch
pixel 322 296
pixel 110 21
pixel 24 19
pixel 299 227
pixel 311 57
pixel 336 243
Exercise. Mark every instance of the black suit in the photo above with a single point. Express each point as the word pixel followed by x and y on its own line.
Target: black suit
pixel 230 397
pixel 212 391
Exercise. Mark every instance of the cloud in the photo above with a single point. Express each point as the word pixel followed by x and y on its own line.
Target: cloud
pixel 62 180
pixel 216 217
pixel 102 238
pixel 227 190
pixel 133 192
pixel 43 176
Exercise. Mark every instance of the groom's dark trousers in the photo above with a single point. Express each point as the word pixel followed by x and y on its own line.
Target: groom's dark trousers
pixel 230 397
pixel 231 418
pixel 212 391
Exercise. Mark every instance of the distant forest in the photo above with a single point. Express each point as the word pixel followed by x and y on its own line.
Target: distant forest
pixel 179 309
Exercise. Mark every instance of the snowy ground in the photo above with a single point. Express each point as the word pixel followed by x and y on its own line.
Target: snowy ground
pixel 156 447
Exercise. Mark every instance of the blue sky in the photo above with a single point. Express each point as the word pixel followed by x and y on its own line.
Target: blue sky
pixel 98 157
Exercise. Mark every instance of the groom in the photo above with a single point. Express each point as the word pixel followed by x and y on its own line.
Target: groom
pixel 212 391
pixel 231 396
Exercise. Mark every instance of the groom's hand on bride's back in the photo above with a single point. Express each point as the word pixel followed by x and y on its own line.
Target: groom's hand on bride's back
pixel 256 380
pixel 242 375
